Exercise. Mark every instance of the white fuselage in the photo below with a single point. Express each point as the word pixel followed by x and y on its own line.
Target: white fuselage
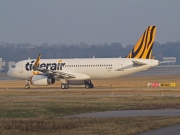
pixel 95 68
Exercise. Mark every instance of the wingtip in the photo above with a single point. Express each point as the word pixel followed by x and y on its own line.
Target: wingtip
pixel 37 61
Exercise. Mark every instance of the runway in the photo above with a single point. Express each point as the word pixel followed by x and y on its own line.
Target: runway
pixel 7 79
pixel 170 130
pixel 129 113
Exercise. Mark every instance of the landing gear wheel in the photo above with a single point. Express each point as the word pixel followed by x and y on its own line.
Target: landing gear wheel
pixel 67 86
pixel 27 87
pixel 91 85
pixel 87 86
pixel 64 86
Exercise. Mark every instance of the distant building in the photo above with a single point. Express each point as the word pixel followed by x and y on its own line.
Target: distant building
pixel 10 64
pixel 4 66
pixel 1 64
pixel 170 60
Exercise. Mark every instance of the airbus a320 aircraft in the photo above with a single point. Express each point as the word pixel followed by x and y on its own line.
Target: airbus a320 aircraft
pixel 82 71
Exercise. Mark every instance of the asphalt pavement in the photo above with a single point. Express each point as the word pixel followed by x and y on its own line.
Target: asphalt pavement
pixel 130 113
pixel 170 130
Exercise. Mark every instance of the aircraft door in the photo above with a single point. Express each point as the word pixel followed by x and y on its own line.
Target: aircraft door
pixel 21 69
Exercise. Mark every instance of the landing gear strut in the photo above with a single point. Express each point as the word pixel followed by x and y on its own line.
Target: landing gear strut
pixel 27 86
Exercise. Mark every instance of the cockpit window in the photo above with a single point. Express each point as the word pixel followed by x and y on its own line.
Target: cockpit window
pixel 14 66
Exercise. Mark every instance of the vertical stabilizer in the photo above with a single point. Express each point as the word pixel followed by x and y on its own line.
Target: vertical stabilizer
pixel 143 48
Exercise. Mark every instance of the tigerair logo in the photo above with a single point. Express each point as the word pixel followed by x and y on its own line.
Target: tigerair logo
pixel 50 66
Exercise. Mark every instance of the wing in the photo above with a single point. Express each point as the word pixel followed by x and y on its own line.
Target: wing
pixel 56 74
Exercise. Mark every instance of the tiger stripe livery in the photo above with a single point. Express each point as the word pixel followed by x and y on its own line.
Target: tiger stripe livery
pixel 143 48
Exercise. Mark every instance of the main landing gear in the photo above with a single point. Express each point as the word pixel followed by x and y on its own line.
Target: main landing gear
pixel 27 86
pixel 64 86
pixel 88 84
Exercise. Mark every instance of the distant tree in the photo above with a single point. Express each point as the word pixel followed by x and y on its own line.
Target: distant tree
pixel 20 51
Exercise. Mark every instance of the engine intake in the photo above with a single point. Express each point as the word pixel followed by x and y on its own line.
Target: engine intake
pixel 42 80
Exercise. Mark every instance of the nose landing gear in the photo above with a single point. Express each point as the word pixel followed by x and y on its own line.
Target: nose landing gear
pixel 27 86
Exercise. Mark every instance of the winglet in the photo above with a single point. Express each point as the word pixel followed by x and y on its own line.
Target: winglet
pixel 143 48
pixel 36 64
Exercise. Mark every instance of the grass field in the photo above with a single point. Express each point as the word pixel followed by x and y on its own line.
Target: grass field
pixel 84 126
pixel 35 111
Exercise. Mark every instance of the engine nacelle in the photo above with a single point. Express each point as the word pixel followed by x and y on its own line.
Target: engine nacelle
pixel 42 80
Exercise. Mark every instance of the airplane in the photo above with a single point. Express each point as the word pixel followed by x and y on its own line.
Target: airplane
pixel 83 71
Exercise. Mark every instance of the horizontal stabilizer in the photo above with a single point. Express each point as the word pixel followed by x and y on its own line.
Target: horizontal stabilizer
pixel 135 64
pixel 139 63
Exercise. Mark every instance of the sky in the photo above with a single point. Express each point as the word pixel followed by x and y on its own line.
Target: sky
pixel 89 21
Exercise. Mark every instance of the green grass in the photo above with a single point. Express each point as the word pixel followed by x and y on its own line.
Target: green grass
pixel 82 126
pixel 34 113
pixel 21 107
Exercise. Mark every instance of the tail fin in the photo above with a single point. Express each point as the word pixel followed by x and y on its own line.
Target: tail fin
pixel 143 48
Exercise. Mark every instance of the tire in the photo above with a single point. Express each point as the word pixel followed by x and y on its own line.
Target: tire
pixel 87 86
pixel 27 87
pixel 91 85
pixel 63 86
pixel 67 86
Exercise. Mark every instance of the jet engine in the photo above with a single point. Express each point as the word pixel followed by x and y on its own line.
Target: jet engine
pixel 42 80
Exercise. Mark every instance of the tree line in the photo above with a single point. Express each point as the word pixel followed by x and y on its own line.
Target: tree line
pixel 21 51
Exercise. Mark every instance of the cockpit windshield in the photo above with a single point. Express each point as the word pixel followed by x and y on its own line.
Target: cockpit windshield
pixel 14 66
